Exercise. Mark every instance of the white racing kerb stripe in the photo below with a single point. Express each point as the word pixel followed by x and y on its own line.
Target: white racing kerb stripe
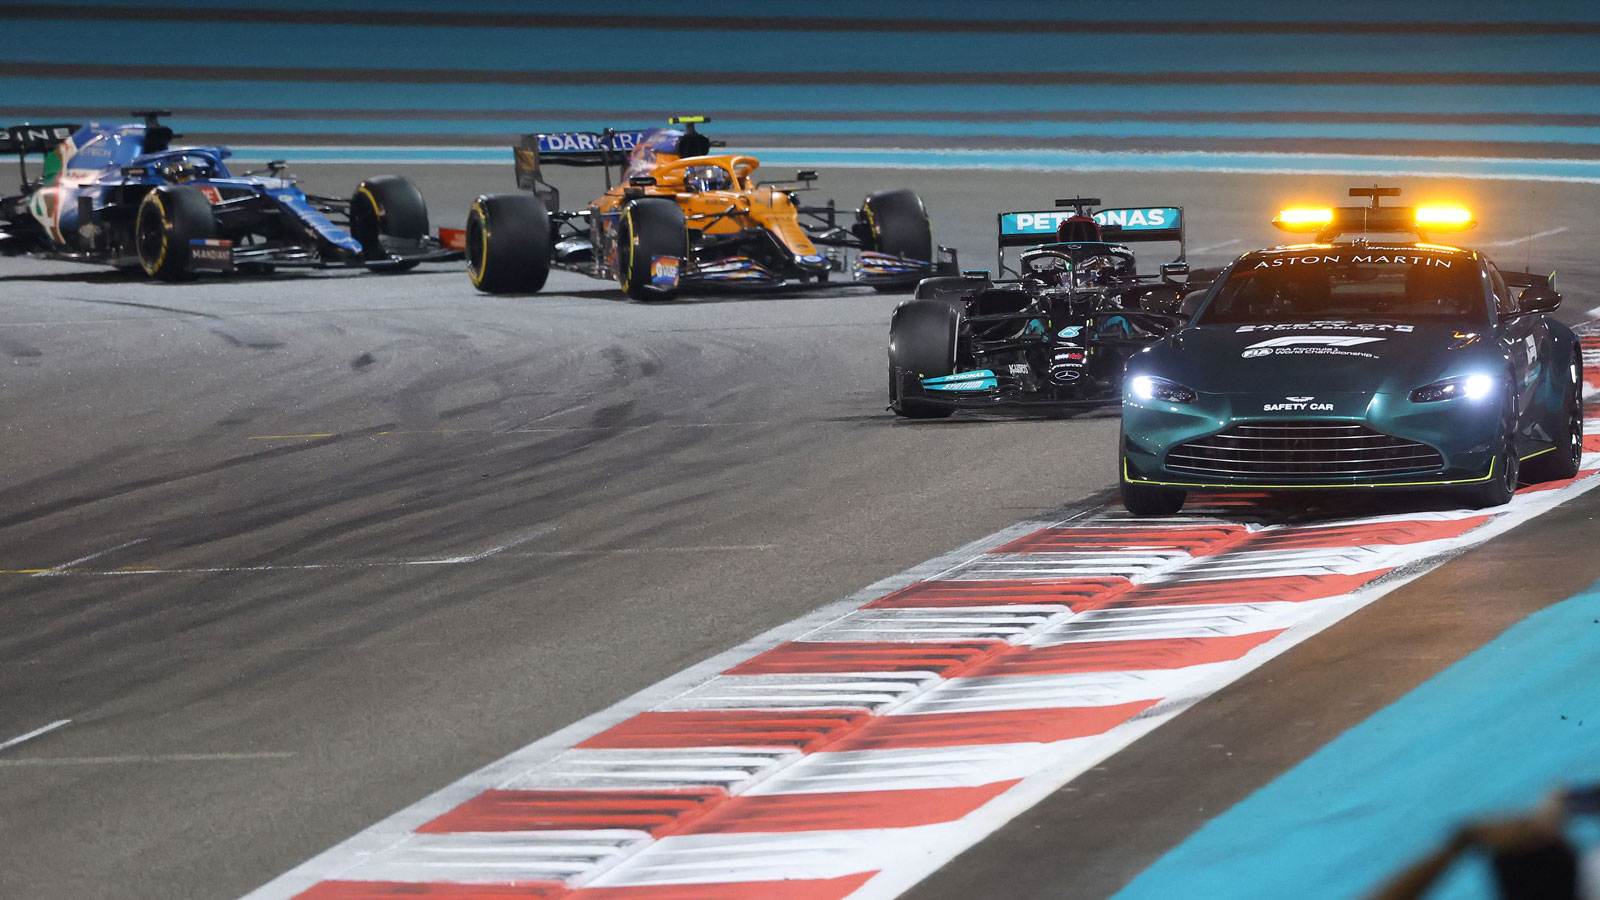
pixel 852 752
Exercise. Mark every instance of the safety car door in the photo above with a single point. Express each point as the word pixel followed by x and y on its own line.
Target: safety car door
pixel 1526 339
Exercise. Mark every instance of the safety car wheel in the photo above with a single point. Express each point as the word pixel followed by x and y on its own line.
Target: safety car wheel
pixel 1151 499
pixel 922 344
pixel 1499 490
pixel 651 228
pixel 508 244
pixel 387 205
pixel 168 218
pixel 1562 462
pixel 897 224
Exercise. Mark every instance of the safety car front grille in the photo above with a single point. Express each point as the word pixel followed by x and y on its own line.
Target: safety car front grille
pixel 1303 451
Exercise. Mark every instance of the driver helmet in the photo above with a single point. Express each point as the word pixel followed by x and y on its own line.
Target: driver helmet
pixel 707 178
pixel 1046 268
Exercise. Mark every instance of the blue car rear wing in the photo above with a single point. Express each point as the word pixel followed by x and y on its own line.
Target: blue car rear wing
pixel 23 139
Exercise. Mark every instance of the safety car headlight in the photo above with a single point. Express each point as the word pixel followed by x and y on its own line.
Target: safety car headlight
pixel 1152 387
pixel 1472 387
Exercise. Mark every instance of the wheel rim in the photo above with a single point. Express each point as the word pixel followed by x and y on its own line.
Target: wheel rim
pixel 150 236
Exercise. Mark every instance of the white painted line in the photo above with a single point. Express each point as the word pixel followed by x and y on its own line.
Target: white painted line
pixel 492 551
pixel 39 761
pixel 57 570
pixel 1523 240
pixel 35 733
pixel 68 568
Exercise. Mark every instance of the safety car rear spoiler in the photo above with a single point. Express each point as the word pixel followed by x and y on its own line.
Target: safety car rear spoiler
pixel 26 138
pixel 1528 280
pixel 1123 226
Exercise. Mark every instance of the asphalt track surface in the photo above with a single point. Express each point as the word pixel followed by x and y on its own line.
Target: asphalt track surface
pixel 326 542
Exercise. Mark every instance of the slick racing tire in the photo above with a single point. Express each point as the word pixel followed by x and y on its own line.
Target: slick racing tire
pixel 650 228
pixel 169 217
pixel 387 205
pixel 508 244
pixel 922 344
pixel 1145 500
pixel 897 223
pixel 1562 462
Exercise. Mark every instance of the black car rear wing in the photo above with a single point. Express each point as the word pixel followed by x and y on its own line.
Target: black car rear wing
pixel 1122 226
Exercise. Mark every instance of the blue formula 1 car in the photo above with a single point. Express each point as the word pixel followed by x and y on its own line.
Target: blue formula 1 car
pixel 122 195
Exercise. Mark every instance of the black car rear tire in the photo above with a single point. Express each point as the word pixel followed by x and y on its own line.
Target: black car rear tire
pixel 169 217
pixel 650 228
pixel 387 205
pixel 1145 500
pixel 897 224
pixel 922 344
pixel 508 244
pixel 1563 462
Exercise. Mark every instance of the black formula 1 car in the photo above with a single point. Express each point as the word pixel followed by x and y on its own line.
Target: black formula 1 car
pixel 122 195
pixel 1058 333
pixel 675 217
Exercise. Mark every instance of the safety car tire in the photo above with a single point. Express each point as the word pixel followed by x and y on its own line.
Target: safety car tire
pixel 387 205
pixel 1499 490
pixel 922 343
pixel 650 227
pixel 897 224
pixel 168 218
pixel 508 244
pixel 1144 500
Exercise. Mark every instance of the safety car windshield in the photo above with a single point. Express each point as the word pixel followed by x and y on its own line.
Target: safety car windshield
pixel 1384 285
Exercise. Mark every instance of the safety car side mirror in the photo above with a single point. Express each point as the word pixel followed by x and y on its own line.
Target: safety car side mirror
pixel 1538 300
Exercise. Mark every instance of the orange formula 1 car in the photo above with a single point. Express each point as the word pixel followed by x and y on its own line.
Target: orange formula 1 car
pixel 678 218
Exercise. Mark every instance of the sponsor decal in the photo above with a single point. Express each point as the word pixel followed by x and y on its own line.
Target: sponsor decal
pixel 664 271
pixel 1018 368
pixel 1047 221
pixel 813 258
pixel 976 380
pixel 1297 404
pixel 1326 325
pixel 584 142
pixel 1310 345
pixel 1071 331
pixel 212 194
pixel 1317 259
pixel 211 255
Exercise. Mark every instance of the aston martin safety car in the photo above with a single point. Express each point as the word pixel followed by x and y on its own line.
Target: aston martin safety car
pixel 1057 333
pixel 122 195
pixel 1369 358
pixel 675 217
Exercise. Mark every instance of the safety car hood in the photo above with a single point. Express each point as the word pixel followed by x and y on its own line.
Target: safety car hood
pixel 1318 357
